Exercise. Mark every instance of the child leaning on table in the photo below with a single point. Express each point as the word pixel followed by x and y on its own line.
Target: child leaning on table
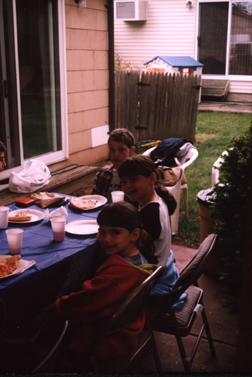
pixel 120 235
pixel 121 146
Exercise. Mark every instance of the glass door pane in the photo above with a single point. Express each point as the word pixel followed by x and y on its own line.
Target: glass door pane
pixel 212 39
pixel 240 60
pixel 38 53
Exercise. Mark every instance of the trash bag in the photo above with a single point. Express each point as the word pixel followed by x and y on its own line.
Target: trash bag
pixel 34 176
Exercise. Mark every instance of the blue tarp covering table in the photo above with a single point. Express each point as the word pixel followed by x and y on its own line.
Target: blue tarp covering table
pixel 38 286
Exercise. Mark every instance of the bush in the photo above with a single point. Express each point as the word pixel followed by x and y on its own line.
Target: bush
pixel 230 209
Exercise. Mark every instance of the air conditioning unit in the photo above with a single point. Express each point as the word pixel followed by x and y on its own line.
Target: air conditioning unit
pixel 131 10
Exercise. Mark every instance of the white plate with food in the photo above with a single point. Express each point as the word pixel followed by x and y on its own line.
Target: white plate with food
pixel 87 202
pixel 13 265
pixel 82 227
pixel 23 216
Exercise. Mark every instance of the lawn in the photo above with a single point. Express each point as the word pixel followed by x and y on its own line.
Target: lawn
pixel 214 131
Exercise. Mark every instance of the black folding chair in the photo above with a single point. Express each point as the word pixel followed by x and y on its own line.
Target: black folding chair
pixel 165 319
pixel 125 315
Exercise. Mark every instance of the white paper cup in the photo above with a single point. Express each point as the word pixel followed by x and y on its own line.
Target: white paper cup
pixel 4 213
pixel 58 227
pixel 14 238
pixel 117 196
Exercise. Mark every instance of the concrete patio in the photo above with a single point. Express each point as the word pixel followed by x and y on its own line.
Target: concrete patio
pixel 226 107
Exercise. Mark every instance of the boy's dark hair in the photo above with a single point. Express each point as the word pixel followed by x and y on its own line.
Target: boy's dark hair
pixel 122 135
pixel 143 165
pixel 2 147
pixel 125 215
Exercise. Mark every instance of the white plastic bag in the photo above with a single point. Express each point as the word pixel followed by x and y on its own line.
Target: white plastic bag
pixel 34 176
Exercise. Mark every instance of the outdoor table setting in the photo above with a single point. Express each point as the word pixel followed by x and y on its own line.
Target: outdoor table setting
pixel 45 262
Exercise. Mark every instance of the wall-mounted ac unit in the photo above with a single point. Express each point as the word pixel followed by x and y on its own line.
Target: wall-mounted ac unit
pixel 131 10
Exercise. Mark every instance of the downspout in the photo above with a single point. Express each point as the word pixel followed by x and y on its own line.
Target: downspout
pixel 110 8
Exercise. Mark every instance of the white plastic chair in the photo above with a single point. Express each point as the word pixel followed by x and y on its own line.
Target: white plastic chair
pixel 184 161
pixel 215 168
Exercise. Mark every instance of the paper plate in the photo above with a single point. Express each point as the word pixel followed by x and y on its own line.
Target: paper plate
pixel 35 214
pixel 82 227
pixel 23 265
pixel 79 201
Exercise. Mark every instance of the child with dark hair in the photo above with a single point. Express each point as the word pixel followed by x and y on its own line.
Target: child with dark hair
pixel 2 158
pixel 120 233
pixel 121 146
pixel 156 204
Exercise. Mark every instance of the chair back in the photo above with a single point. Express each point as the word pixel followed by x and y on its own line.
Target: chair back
pixel 188 158
pixel 130 309
pixel 194 268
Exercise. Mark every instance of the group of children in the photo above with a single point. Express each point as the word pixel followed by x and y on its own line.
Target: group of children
pixel 136 237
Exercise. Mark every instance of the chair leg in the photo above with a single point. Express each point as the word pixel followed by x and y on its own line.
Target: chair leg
pixel 185 193
pixel 208 332
pixel 186 362
pixel 156 356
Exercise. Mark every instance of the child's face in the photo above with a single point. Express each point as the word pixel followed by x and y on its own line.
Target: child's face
pixel 139 188
pixel 2 162
pixel 119 152
pixel 118 240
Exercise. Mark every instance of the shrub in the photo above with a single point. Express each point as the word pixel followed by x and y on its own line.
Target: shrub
pixel 119 65
pixel 230 209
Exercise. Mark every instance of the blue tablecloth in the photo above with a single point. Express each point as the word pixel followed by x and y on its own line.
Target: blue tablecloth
pixel 59 268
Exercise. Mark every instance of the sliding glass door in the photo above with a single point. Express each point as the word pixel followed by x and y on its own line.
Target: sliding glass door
pixel 225 37
pixel 30 94
pixel 212 37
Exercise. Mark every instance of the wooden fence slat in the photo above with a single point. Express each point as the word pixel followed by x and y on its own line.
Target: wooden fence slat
pixel 165 107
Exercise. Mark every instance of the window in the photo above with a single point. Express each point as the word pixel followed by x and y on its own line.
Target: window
pixel 240 59
pixel 32 69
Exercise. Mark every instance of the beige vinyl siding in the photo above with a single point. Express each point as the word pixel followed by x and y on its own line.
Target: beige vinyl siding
pixel 87 78
pixel 169 30
pixel 240 86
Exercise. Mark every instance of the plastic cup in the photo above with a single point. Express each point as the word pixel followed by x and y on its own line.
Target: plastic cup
pixel 14 238
pixel 58 227
pixel 4 213
pixel 117 196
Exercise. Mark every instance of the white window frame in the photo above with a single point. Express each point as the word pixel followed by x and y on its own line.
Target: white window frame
pixel 63 154
pixel 226 76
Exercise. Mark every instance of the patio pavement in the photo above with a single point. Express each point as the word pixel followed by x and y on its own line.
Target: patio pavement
pixel 226 107
pixel 224 329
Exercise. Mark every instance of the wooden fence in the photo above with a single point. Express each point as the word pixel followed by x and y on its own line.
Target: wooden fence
pixel 157 107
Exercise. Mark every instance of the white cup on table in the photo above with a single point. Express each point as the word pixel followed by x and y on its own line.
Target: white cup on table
pixel 58 224
pixel 14 238
pixel 4 213
pixel 117 196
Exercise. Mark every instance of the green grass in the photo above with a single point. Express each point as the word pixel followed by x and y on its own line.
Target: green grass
pixel 214 132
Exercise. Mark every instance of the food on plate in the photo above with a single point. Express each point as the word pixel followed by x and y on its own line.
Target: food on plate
pixel 20 216
pixel 82 203
pixel 8 265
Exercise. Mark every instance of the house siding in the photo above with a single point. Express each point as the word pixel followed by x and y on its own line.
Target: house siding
pixel 87 79
pixel 169 30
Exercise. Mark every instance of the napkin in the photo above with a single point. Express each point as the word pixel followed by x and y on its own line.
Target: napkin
pixel 62 212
